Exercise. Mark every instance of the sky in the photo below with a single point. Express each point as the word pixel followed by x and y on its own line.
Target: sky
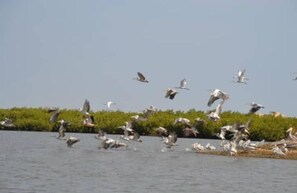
pixel 58 53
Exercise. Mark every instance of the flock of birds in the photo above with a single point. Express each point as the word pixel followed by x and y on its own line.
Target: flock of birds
pixel 237 133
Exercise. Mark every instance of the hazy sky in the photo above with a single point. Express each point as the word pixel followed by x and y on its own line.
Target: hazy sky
pixel 61 52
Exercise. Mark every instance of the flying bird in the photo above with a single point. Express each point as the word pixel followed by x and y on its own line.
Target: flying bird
pixel 170 93
pixel 183 85
pixel 72 140
pixel 109 103
pixel 86 107
pixel 55 115
pixel 215 115
pixel 141 78
pixel 255 107
pixel 215 95
pixel 240 78
pixel 296 76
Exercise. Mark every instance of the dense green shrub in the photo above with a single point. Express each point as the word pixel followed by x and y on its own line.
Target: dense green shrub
pixel 37 119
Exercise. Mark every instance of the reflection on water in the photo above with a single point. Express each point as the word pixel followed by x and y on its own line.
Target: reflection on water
pixel 38 162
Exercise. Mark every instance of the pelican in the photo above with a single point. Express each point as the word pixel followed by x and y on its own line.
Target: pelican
pixel 109 103
pixel 127 126
pixel 190 132
pixel 215 95
pixel 141 78
pixel 183 121
pixel 278 151
pixel 210 147
pixel 255 107
pixel 63 126
pixel 170 140
pixel 72 140
pixel 138 118
pixel 89 121
pixel 55 115
pixel 233 148
pixel 135 137
pixel 290 136
pixel 183 85
pixel 161 131
pixel 86 107
pixel 215 116
pixel 170 93
pixel 240 78
pixel 100 135
pixel 197 147
pixel 148 111
pixel 7 122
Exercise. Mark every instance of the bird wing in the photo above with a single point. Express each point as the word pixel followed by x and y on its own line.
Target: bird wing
pixel 183 83
pixel 86 106
pixel 54 116
pixel 141 76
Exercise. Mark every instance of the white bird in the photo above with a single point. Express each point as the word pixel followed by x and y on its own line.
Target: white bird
pixel 109 103
pixel 215 95
pixel 161 131
pixel 7 122
pixel 197 147
pixel 63 126
pixel 141 78
pixel 72 140
pixel 89 120
pixel 183 121
pixel 210 147
pixel 290 136
pixel 255 107
pixel 183 85
pixel 170 93
pixel 127 126
pixel 240 78
pixel 215 116
pixel 278 150
pixel 170 140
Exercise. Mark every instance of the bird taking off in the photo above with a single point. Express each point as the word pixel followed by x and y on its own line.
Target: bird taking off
pixel 141 78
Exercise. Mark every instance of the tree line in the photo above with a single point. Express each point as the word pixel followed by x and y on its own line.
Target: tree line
pixel 265 127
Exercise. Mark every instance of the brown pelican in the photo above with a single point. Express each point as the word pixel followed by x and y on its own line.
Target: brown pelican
pixel 215 95
pixel 240 78
pixel 255 107
pixel 141 78
pixel 170 93
pixel 71 140
pixel 183 85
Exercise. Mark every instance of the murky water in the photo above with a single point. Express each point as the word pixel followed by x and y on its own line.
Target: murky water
pixel 38 162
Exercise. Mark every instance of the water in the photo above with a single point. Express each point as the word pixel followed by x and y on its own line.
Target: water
pixel 37 162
